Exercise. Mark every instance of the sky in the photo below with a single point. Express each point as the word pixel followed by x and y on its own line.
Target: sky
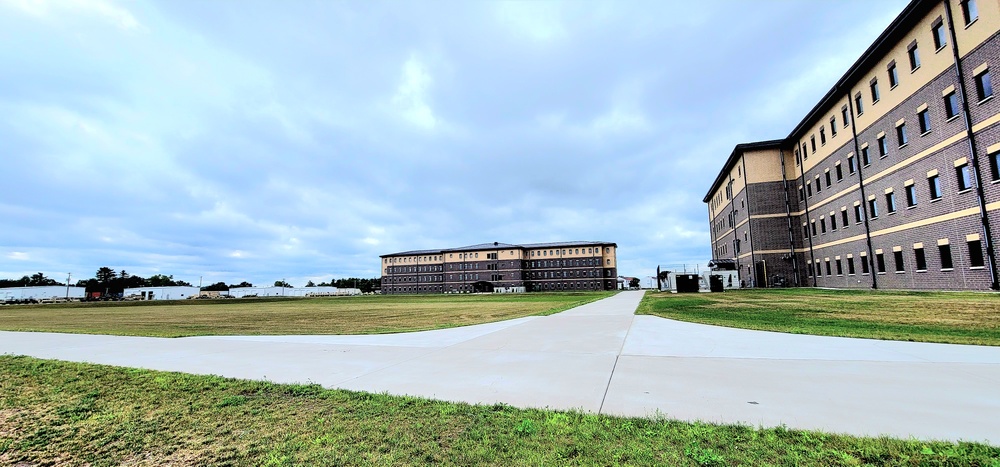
pixel 259 140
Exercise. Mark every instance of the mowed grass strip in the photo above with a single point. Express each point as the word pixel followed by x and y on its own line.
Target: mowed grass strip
pixel 369 314
pixel 949 317
pixel 59 413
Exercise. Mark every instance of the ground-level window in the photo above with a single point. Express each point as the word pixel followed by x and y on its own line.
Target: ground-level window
pixel 976 254
pixel 918 254
pixel 944 251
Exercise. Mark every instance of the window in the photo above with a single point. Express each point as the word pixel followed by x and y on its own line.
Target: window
pixel 944 251
pixel 805 151
pixel 964 178
pixel 911 195
pixel 893 75
pixel 975 253
pixel 984 87
pixel 802 193
pixel 857 213
pixel 925 121
pixel 812 142
pixel 822 135
pixel 918 253
pixel 914 55
pixel 873 86
pixel 880 262
pixel 843 217
pixel 840 267
pixel 890 202
pixel 850 265
pixel 809 190
pixel 950 105
pixel 819 186
pixel 840 172
pixel 872 208
pixel 819 269
pixel 901 134
pixel 822 225
pixel 850 164
pixel 864 264
pixel 827 175
pixel 813 226
pixel 833 127
pixel 994 165
pixel 934 183
pixel 828 272
pixel 857 103
pixel 843 115
pixel 805 230
pixel 883 149
pixel 938 32
pixel 866 158
pixel 897 256
pixel 833 222
pixel 969 11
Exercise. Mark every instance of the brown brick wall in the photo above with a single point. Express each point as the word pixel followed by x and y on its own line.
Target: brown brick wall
pixel 953 216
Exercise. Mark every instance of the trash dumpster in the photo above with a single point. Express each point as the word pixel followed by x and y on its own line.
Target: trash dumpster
pixel 687 283
pixel 715 283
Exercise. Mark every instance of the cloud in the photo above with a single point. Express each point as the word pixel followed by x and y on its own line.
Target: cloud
pixel 101 9
pixel 19 256
pixel 536 21
pixel 256 141
pixel 411 95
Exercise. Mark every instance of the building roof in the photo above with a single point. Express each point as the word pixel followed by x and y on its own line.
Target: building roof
pixel 896 30
pixel 735 156
pixel 497 246
pixel 561 244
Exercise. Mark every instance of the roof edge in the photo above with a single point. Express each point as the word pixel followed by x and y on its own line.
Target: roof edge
pixel 737 152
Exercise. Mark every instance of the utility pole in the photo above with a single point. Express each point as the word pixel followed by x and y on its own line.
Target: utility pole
pixel 68 276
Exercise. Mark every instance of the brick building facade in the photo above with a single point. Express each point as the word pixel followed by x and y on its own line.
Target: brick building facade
pixel 566 266
pixel 892 180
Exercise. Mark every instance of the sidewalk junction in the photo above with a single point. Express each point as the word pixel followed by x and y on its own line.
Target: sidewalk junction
pixel 600 357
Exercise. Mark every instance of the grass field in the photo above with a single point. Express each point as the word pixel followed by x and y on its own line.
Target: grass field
pixel 951 317
pixel 370 314
pixel 57 413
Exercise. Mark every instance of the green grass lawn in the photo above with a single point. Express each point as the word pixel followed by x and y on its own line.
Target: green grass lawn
pixel 370 314
pixel 951 317
pixel 58 413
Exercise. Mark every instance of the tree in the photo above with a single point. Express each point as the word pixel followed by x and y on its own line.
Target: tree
pixel 633 283
pixel 22 282
pixel 160 280
pixel 39 279
pixel 310 284
pixel 241 284
pixel 282 284
pixel 218 287
pixel 105 275
pixel 365 285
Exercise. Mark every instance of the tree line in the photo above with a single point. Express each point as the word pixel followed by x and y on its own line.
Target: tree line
pixel 109 281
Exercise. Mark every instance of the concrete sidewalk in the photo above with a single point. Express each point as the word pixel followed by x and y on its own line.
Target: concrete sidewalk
pixel 600 357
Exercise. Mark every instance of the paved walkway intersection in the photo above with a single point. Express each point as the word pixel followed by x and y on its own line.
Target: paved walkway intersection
pixel 600 357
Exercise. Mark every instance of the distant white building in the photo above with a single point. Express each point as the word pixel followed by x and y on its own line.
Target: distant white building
pixel 163 293
pixel 240 292
pixel 41 293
